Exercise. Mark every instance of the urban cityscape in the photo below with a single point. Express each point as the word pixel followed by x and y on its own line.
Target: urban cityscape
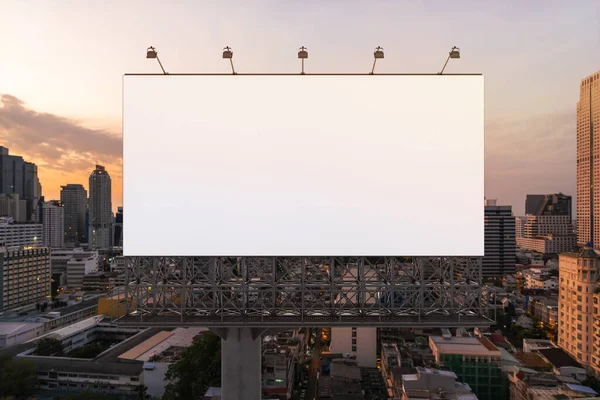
pixel 78 320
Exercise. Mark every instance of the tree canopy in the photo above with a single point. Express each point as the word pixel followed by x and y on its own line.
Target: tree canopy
pixel 18 378
pixel 49 347
pixel 198 369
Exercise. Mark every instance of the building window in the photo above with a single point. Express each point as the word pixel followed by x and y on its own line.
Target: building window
pixel 354 342
pixel 353 334
pixel 353 347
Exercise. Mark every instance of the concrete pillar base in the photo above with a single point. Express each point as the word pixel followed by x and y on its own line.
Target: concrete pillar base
pixel 241 360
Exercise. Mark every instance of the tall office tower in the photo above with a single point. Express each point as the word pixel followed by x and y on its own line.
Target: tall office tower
pixel 500 243
pixel 74 200
pixel 588 161
pixel 20 177
pixel 11 205
pixel 100 209
pixel 52 218
pixel 578 274
pixel 118 237
pixel 548 204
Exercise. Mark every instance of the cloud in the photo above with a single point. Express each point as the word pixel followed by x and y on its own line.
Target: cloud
pixel 56 142
pixel 64 150
pixel 531 156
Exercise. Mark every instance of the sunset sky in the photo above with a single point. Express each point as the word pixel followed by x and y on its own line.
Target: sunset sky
pixel 61 67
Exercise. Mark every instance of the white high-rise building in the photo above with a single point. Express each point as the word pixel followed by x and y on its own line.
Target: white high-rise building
pixel 547 234
pixel 100 209
pixel 74 200
pixel 19 235
pixel 52 218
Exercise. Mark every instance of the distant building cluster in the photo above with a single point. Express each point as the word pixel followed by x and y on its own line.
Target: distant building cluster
pixel 547 227
pixel 50 246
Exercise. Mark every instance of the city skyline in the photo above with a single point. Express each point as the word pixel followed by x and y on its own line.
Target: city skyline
pixel 66 71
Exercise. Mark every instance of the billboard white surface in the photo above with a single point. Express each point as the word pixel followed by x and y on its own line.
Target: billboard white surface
pixel 303 165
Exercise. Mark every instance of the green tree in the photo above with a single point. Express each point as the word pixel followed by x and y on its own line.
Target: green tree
pixel 197 370
pixel 18 378
pixel 90 350
pixel 592 382
pixel 510 313
pixel 140 393
pixel 50 347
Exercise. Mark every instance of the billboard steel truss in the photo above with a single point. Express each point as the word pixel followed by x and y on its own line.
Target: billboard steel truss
pixel 303 291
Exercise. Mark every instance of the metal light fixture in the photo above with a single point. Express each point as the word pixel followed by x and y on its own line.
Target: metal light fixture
pixel 454 53
pixel 152 53
pixel 228 54
pixel 376 55
pixel 303 54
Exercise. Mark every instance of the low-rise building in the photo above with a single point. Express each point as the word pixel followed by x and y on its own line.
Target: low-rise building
pixel 527 384
pixel 69 267
pixel 390 358
pixel 281 360
pixel 12 333
pixel 476 362
pixel 359 342
pixel 563 363
pixel 531 345
pixel 342 383
pixel 105 372
pixel 430 383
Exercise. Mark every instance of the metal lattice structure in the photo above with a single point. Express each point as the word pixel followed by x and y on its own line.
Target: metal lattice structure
pixel 304 291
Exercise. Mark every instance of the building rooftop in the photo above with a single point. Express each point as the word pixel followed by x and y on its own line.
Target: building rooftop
pixel 464 345
pixel 428 371
pixel 162 341
pixel 398 372
pixel 531 360
pixel 345 371
pixel 91 301
pixel 508 359
pixel 73 328
pixel 581 389
pixel 559 358
pixel 145 346
pixel 132 368
pixel 7 328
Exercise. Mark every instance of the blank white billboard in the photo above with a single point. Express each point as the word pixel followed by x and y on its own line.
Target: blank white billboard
pixel 303 165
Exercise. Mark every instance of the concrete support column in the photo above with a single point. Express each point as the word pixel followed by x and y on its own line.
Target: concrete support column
pixel 241 361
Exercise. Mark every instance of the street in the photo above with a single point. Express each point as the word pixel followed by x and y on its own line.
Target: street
pixel 315 363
